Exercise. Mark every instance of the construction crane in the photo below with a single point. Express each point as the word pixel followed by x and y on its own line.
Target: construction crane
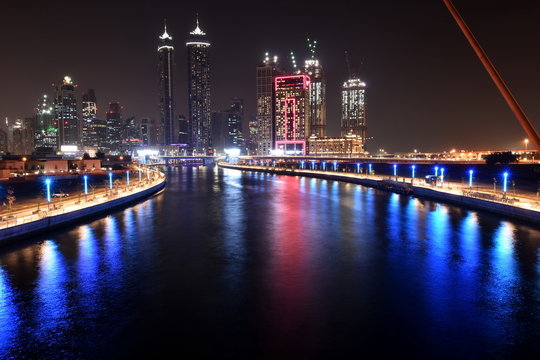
pixel 497 79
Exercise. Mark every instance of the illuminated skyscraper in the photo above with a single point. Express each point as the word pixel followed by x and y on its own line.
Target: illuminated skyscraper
pixel 199 91
pixel 89 117
pixel 235 115
pixel 166 130
pixel 266 74
pixel 353 113
pixel 46 127
pixel 148 131
pixel 65 111
pixel 317 93
pixel 292 113
pixel 114 126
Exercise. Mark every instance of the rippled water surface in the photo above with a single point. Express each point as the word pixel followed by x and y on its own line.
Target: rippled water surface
pixel 229 265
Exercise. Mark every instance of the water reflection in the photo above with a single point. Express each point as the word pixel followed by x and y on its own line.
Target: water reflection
pixel 88 267
pixel 52 313
pixel 9 318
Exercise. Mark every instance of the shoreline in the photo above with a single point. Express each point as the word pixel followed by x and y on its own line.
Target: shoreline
pixel 31 228
pixel 495 207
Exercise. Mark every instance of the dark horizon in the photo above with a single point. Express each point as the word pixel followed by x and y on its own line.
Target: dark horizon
pixel 426 88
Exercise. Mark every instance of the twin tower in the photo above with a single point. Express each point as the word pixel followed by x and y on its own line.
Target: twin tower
pixel 170 129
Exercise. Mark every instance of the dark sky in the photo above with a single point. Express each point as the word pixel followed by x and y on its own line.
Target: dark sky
pixel 427 89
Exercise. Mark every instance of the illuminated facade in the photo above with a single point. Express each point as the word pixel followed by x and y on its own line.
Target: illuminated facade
pixel 114 126
pixel 65 112
pixel 92 132
pixel 235 115
pixel 21 136
pixel 292 113
pixel 167 133
pixel 317 93
pixel 46 137
pixel 148 131
pixel 340 146
pixel 266 74
pixel 199 91
pixel 353 114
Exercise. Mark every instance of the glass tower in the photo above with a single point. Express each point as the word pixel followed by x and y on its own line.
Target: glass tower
pixel 114 126
pixel 353 105
pixel 199 92
pixel 166 130
pixel 46 126
pixel 65 112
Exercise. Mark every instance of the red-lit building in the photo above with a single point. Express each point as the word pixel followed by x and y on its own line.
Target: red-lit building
pixel 292 113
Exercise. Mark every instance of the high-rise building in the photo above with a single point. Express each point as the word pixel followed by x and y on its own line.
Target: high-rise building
pixel 235 115
pixel 317 93
pixel 292 113
pixel 266 73
pixel 199 91
pixel 148 131
pixel 251 140
pixel 89 118
pixel 46 136
pixel 166 130
pixel 21 136
pixel 65 111
pixel 114 126
pixel 353 113
pixel 183 131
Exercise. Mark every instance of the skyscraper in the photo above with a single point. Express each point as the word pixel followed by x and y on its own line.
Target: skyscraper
pixel 235 115
pixel 292 113
pixel 353 104
pixel 266 73
pixel 114 126
pixel 317 93
pixel 89 116
pixel 148 131
pixel 199 91
pixel 166 129
pixel 183 131
pixel 46 137
pixel 65 111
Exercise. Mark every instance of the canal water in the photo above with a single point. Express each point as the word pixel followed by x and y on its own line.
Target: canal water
pixel 225 264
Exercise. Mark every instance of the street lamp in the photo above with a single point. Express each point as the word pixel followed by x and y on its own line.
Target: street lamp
pixel 324 165
pixel 335 165
pixel 369 166
pixel 526 141
pixel 313 165
pixel 127 177
pixel 470 178
pixel 110 180
pixel 505 181
pixel 85 177
pixel 48 184
pixel 413 167
pixel 442 177
pixel 395 170
pixel 140 175
pixel 358 168
pixel 436 171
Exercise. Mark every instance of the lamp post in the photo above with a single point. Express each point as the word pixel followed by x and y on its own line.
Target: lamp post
pixel 526 141
pixel 505 182
pixel 324 165
pixel 335 165
pixel 140 175
pixel 110 181
pixel 85 177
pixel 470 178
pixel 358 168
pixel 436 171
pixel 413 167
pixel 395 171
pixel 369 166
pixel 48 184
pixel 127 177
pixel 442 177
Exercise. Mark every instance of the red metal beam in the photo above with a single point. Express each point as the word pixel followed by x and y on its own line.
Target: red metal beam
pixel 505 92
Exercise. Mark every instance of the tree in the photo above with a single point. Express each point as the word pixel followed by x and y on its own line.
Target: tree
pixel 86 156
pixel 500 158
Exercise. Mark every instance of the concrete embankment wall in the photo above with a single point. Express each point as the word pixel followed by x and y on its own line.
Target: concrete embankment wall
pixel 12 233
pixel 509 211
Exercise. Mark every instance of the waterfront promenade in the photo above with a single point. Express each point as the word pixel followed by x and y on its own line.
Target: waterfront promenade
pixel 37 216
pixel 520 206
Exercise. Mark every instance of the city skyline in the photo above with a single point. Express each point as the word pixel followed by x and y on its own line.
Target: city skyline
pixel 425 82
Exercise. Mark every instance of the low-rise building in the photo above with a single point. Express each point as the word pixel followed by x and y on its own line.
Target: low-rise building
pixel 348 145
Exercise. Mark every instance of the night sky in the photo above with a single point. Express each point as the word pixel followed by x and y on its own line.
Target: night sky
pixel 426 88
